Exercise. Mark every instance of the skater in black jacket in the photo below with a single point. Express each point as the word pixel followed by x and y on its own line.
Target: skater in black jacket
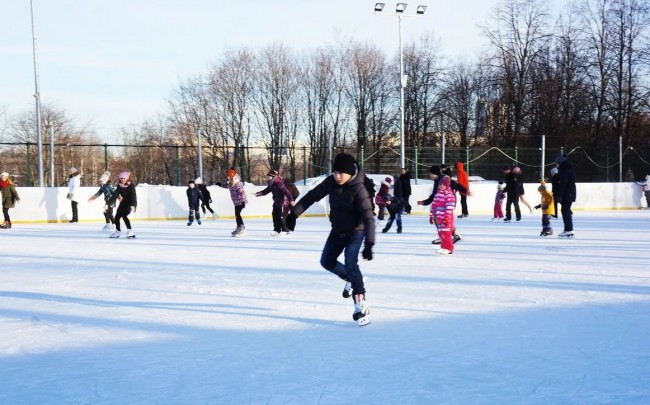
pixel 565 194
pixel 129 202
pixel 352 221
pixel 512 191
pixel 194 199
pixel 206 198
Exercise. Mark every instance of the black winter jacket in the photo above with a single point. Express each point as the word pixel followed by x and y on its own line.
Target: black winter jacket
pixel 350 205
pixel 565 189
pixel 129 197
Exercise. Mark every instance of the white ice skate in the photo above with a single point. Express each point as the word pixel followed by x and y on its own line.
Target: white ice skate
pixel 130 234
pixel 361 311
pixel 443 252
pixel 115 235
pixel 566 235
pixel 106 227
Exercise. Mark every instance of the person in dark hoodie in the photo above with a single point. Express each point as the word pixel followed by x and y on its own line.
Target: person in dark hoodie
pixel 404 180
pixel 512 193
pixel 565 193
pixel 194 198
pixel 279 192
pixel 352 223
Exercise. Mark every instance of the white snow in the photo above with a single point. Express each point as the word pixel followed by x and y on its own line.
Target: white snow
pixel 190 315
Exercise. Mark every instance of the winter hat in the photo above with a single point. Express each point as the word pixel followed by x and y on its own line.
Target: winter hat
pixel 507 167
pixel 444 169
pixel 516 170
pixel 389 180
pixel 198 180
pixel 190 182
pixel 554 171
pixel 272 173
pixel 542 187
pixel 231 172
pixel 124 175
pixel 435 170
pixel 500 186
pixel 445 181
pixel 72 170
pixel 5 174
pixel 104 177
pixel 560 159
pixel 344 163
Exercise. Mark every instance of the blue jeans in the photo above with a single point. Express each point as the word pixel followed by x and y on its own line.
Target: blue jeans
pixel 350 271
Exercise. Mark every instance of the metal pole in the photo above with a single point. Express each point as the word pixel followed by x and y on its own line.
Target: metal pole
pixel 51 156
pixel 178 165
pixel 105 157
pixel 543 156
pixel 607 165
pixel 37 96
pixel 329 153
pixel 304 165
pixel 620 159
pixel 402 84
pixel 198 136
pixel 416 165
pixel 28 178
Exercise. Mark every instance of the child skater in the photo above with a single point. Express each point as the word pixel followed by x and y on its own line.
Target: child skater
pixel 498 202
pixel 442 214
pixel 74 183
pixel 238 197
pixel 9 198
pixel 107 189
pixel 194 198
pixel 351 217
pixel 279 192
pixel 395 206
pixel 206 199
pixel 382 196
pixel 548 210
pixel 129 202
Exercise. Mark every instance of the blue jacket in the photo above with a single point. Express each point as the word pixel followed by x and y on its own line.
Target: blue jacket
pixel 107 189
pixel 194 197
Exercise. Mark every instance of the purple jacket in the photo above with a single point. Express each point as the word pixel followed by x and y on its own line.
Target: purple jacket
pixel 278 190
pixel 237 193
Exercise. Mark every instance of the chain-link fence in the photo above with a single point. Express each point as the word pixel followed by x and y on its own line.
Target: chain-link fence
pixel 175 165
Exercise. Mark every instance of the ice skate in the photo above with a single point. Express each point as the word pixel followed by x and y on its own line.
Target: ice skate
pixel 239 231
pixel 284 234
pixel 546 233
pixel 275 233
pixel 198 221
pixel 361 310
pixel 130 234
pixel 347 290
pixel 214 216
pixel 189 223
pixel 106 227
pixel 234 233
pixel 456 237
pixel 115 235
pixel 443 252
pixel 566 235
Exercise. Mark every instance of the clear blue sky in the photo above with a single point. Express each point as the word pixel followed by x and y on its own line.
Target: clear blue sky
pixel 113 63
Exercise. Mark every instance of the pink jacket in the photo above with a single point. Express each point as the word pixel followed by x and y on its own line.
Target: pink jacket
pixel 442 208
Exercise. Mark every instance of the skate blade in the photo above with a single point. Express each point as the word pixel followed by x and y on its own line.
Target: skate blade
pixel 130 237
pixel 363 321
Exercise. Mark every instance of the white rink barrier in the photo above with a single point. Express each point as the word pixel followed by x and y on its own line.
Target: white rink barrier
pixel 49 204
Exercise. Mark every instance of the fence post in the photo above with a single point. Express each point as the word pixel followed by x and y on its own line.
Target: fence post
pixel 105 157
pixel 415 151
pixel 304 165
pixel 543 157
pixel 607 165
pixel 28 177
pixel 467 159
pixel 516 156
pixel 363 164
pixel 178 165
pixel 242 164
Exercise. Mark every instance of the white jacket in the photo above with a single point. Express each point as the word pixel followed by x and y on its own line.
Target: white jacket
pixel 73 187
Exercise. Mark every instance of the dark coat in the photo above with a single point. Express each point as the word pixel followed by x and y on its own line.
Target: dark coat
pixel 194 197
pixel 565 191
pixel 405 183
pixel 205 193
pixel 350 205
pixel 452 185
pixel 512 185
pixel 107 189
pixel 278 191
pixel 129 197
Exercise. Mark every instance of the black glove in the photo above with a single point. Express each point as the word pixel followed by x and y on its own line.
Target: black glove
pixel 538 206
pixel 367 251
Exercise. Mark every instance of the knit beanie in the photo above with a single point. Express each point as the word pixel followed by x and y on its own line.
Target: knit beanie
pixel 554 171
pixel 231 172
pixel 272 173
pixel 435 170
pixel 507 167
pixel 198 180
pixel 344 163
pixel 445 181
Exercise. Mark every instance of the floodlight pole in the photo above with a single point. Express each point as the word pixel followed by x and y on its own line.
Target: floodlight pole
pixel 37 96
pixel 402 84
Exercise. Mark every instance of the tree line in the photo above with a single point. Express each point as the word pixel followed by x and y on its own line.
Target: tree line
pixel 580 79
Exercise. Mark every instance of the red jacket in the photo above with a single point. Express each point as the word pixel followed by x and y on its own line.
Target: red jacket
pixel 461 176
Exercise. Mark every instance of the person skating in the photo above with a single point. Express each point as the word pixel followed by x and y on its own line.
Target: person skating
pixel 290 221
pixel 462 178
pixel 442 215
pixel 512 194
pixel 435 173
pixel 107 189
pixel 498 202
pixel 381 197
pixel 405 183
pixel 74 182
pixel 206 198
pixel 548 209
pixel 129 202
pixel 9 198
pixel 238 197
pixel 566 193
pixel 352 222
pixel 193 201
pixel 517 173
pixel 279 192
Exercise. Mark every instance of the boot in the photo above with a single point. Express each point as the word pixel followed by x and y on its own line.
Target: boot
pixel 387 227
pixel 361 310
pixel 6 225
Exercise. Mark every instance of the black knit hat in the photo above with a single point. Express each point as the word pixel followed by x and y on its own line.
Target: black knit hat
pixel 507 167
pixel 272 173
pixel 344 163
pixel 435 170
